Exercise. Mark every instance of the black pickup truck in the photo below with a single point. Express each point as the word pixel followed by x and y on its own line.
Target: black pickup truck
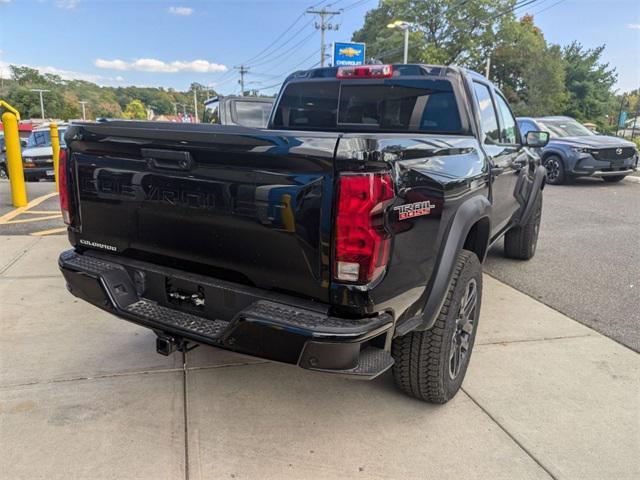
pixel 346 237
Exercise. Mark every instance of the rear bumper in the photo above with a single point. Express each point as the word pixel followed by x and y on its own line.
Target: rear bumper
pixel 38 172
pixel 231 316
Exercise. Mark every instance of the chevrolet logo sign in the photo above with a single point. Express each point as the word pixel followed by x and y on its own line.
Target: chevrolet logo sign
pixel 349 52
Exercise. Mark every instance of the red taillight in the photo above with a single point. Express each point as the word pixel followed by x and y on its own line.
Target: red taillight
pixel 63 187
pixel 365 71
pixel 361 244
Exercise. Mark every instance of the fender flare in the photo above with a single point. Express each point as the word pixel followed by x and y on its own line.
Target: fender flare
pixel 471 211
pixel 539 179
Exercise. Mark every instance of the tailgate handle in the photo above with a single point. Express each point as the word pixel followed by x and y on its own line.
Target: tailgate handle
pixel 169 159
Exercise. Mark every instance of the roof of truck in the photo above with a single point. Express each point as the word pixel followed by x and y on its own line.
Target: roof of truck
pixel 408 69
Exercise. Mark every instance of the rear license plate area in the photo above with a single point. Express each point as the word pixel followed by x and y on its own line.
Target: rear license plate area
pixel 185 295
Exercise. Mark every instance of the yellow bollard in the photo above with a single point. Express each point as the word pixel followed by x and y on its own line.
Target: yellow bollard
pixel 14 159
pixel 55 145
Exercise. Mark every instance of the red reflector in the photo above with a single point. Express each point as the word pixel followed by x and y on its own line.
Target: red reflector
pixel 365 71
pixel 361 244
pixel 63 186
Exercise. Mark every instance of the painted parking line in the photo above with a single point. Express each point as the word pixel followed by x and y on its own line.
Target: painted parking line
pixel 42 212
pixel 51 231
pixel 33 219
pixel 9 216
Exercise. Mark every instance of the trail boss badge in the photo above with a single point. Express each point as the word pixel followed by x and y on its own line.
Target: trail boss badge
pixel 417 209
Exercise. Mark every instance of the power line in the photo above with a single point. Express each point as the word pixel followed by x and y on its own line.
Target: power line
pixel 356 4
pixel 518 5
pixel 293 69
pixel 549 7
pixel 285 54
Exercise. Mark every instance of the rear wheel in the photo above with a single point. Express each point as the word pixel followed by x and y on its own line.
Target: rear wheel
pixel 431 365
pixel 520 242
pixel 555 170
pixel 614 178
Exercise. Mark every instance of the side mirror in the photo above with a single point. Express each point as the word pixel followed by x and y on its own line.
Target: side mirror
pixel 536 139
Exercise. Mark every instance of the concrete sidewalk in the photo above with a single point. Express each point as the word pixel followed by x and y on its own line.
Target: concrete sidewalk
pixel 84 395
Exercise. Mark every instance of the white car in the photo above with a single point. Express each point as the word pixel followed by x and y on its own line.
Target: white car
pixel 37 157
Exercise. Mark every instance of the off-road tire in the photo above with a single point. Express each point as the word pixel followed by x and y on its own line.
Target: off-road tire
pixel 422 358
pixel 614 178
pixel 555 170
pixel 520 242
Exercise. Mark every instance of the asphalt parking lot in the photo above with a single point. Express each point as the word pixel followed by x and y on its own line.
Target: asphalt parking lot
pixel 587 264
pixel 40 217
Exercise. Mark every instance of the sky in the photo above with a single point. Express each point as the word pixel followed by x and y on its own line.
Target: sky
pixel 175 42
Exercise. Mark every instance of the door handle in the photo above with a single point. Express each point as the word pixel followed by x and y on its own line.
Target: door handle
pixel 167 159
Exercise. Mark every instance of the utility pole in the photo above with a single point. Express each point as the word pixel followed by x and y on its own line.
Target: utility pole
pixel 323 25
pixel 83 103
pixel 195 104
pixel 242 70
pixel 488 68
pixel 40 91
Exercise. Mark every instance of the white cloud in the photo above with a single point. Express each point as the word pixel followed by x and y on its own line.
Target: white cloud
pixel 635 26
pixel 67 4
pixel 5 1
pixel 5 72
pixel 155 65
pixel 184 11
pixel 111 64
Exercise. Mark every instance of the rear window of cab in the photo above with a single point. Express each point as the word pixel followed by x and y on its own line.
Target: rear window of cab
pixel 424 105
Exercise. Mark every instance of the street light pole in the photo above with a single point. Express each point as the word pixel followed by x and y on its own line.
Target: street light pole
pixel 406 46
pixel 40 91
pixel 83 103
pixel 195 104
pixel 403 27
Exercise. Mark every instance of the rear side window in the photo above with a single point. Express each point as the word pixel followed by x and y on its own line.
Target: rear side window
pixel 312 105
pixel 488 117
pixel 509 134
pixel 252 114
pixel 212 112
pixel 400 106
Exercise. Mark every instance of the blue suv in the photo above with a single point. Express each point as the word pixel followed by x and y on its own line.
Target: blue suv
pixel 575 151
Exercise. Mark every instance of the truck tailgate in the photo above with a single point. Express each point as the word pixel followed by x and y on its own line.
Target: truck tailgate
pixel 248 205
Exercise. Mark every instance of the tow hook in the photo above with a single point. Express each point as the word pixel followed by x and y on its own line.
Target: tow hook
pixel 166 344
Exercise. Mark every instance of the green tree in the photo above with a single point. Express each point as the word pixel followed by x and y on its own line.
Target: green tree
pixel 443 31
pixel 589 83
pixel 135 110
pixel 529 72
